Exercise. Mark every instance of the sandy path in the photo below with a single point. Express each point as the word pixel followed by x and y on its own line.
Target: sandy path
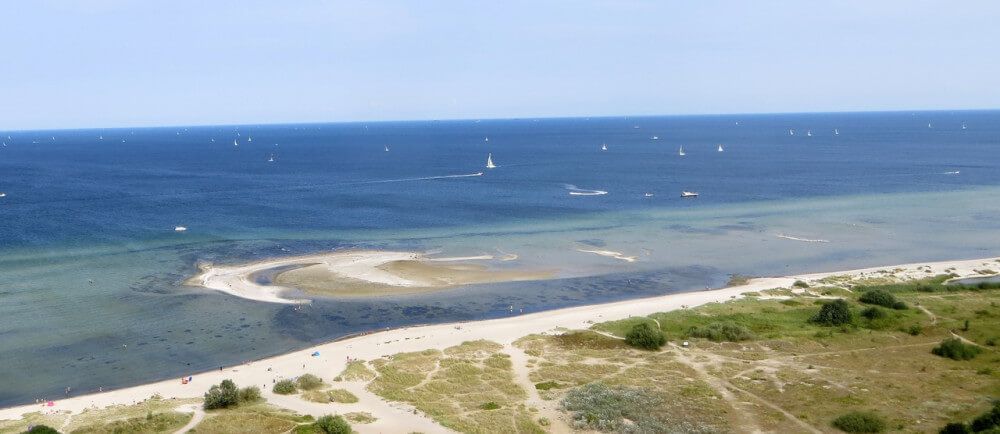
pixel 198 416
pixel 547 409
pixel 503 331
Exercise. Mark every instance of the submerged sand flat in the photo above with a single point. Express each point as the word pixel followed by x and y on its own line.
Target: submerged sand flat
pixel 355 274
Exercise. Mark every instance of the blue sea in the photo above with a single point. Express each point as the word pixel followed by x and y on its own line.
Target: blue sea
pixel 90 261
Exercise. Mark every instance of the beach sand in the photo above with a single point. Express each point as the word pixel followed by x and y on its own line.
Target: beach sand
pixel 397 417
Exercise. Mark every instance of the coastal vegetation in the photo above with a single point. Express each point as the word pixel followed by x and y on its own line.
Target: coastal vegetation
pixel 226 394
pixel 645 337
pixel 860 422
pixel 285 387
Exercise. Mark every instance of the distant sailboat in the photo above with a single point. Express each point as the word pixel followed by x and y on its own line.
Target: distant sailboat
pixel 791 132
pixel 809 133
pixel 648 195
pixel 271 159
pixel 681 151
pixel 249 139
pixel 235 143
pixel 654 138
pixel 836 132
pixel 487 139
pixel 100 138
pixel 929 125
pixel 604 146
pixel 964 126
pixel 386 148
pixel 489 162
pixel 720 149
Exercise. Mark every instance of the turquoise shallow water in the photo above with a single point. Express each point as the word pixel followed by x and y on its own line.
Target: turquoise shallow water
pixel 89 259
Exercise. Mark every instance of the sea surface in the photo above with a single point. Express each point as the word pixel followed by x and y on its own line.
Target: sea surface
pixel 91 268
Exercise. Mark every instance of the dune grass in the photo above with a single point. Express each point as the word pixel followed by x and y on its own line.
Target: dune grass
pixel 249 419
pixel 356 370
pixel 456 387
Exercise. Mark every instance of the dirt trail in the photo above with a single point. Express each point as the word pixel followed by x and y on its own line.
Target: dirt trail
pixel 547 409
pixel 198 416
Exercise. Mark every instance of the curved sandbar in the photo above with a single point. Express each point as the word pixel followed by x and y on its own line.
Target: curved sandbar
pixel 363 273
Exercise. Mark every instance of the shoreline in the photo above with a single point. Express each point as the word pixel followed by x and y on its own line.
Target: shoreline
pixel 380 343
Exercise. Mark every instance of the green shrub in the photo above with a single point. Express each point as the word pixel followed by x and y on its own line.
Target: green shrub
pixel 722 332
pixel 800 284
pixel 881 298
pixel 249 394
pixel 645 337
pixel 836 312
pixel 915 330
pixel 221 395
pixel 955 349
pixel 42 429
pixel 309 382
pixel 873 313
pixel 284 387
pixel 955 428
pixel 490 406
pixel 860 422
pixel 987 421
pixel 333 425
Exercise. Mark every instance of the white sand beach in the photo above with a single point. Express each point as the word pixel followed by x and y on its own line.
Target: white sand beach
pixel 396 417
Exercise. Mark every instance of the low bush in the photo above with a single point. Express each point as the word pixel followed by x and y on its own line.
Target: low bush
pixel 42 429
pixel 873 313
pixel 226 394
pixel 836 312
pixel 309 382
pixel 860 422
pixel 955 349
pixel 881 298
pixel 333 425
pixel 915 330
pixel 599 407
pixel 722 332
pixel 547 385
pixel 645 337
pixel 800 284
pixel 284 387
pixel 490 406
pixel 955 428
pixel 987 421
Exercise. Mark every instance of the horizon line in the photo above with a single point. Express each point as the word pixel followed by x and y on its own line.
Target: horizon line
pixel 475 119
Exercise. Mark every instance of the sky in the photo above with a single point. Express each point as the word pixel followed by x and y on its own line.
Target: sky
pixel 124 63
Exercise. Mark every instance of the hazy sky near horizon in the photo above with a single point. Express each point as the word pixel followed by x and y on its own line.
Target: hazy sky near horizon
pixel 106 63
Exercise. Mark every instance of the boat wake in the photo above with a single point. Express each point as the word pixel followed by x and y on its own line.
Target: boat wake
pixel 805 240
pixel 423 178
pixel 576 191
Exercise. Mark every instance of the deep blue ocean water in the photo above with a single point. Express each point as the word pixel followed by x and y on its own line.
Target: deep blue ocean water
pixel 89 259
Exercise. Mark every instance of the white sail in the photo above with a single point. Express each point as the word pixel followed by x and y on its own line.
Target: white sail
pixel 249 139
pixel 720 148
pixel 809 133
pixel 487 139
pixel 836 132
pixel 604 146
pixel 235 143
pixel 681 151
pixel 489 162
pixel 386 148
pixel 791 132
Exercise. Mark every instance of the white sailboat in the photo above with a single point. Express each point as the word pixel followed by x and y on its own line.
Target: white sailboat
pixel 809 133
pixel 100 138
pixel 235 143
pixel 721 149
pixel 681 151
pixel 791 132
pixel 489 162
pixel 270 159
pixel 836 132
pixel 929 125
pixel 604 146
pixel 648 195
pixel 964 126
pixel 487 139
pixel 249 139
pixel 386 148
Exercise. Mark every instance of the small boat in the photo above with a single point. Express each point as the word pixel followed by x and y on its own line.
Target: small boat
pixel 964 126
pixel 489 162
pixel 654 138
pixel 929 125
pixel 249 139
pixel 271 159
pixel 720 148
pixel 2 194
pixel 809 133
pixel 487 139
pixel 235 143
pixel 100 138
pixel 647 195
pixel 386 148
pixel 681 151
pixel 604 146
pixel 791 132
pixel 836 132
pixel 689 194
pixel 123 140
pixel 180 229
